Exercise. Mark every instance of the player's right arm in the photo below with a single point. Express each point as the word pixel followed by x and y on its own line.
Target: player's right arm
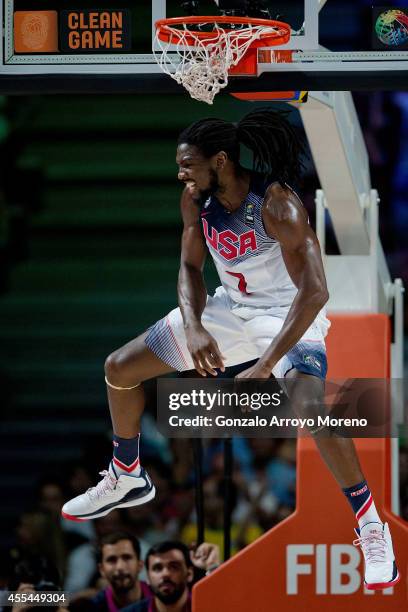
pixel 192 293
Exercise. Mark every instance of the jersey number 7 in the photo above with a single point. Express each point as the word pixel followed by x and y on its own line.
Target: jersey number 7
pixel 242 284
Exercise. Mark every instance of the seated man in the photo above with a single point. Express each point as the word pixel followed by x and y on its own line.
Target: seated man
pixel 170 572
pixel 120 564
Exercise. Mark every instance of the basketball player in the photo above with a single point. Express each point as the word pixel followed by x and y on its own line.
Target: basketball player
pixel 269 307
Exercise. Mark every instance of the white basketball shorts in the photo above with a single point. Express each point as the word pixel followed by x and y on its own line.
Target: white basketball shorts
pixel 240 338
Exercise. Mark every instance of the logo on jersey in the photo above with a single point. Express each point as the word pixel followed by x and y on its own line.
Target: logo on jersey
pixel 311 360
pixel 229 244
pixel 249 214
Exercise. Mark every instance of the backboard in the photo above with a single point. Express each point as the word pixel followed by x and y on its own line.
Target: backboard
pixel 332 39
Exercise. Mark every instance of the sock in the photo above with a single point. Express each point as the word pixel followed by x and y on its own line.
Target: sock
pixel 362 502
pixel 126 456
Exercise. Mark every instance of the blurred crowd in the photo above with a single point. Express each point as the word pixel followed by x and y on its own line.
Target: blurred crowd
pixel 171 568
pixel 262 493
pixel 91 559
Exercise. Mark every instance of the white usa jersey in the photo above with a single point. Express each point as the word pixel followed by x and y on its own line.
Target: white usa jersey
pixel 249 262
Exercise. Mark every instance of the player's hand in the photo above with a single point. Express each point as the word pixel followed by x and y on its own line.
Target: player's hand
pixel 259 370
pixel 204 351
pixel 206 556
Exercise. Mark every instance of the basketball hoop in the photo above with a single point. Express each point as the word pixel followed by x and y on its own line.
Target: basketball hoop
pixel 201 59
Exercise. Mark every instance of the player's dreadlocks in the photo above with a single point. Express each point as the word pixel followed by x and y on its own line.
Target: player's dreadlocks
pixel 276 146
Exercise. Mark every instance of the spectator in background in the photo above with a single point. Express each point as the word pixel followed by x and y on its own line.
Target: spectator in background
pixel 119 564
pixel 38 534
pixel 35 574
pixel 50 495
pixel 82 564
pixel 242 533
pixel 281 473
pixel 170 570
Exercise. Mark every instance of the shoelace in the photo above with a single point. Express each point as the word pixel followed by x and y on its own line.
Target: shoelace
pixel 374 547
pixel 106 485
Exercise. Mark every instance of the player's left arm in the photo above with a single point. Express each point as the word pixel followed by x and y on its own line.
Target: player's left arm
pixel 285 219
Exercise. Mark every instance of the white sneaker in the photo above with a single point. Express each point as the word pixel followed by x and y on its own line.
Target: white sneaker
pixel 110 493
pixel 380 568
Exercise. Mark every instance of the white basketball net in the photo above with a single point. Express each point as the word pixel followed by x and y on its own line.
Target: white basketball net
pixel 203 69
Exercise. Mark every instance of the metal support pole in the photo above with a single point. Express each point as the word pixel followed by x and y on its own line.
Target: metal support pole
pixel 199 497
pixel 373 220
pixel 228 461
pixel 397 374
pixel 398 348
pixel 321 220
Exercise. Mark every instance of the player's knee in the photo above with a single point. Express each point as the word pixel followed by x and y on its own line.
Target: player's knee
pixel 112 366
pixel 309 408
pixel 117 368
